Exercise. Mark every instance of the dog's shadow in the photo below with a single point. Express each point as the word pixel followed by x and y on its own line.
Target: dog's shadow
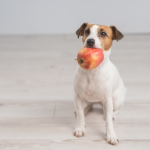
pixel 95 117
pixel 96 111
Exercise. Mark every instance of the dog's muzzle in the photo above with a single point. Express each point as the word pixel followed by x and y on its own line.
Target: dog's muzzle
pixel 90 42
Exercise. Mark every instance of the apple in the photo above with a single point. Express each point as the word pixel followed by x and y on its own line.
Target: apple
pixel 90 58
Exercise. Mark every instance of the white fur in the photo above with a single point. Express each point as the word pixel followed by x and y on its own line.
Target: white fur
pixel 102 84
pixel 93 35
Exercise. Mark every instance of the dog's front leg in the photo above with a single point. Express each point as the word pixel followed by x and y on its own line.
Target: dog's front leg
pixel 111 135
pixel 80 127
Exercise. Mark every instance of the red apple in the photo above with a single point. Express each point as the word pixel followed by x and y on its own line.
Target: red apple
pixel 90 58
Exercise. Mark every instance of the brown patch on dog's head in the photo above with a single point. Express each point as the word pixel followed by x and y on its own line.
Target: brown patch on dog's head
pixel 105 35
pixel 81 31
pixel 111 34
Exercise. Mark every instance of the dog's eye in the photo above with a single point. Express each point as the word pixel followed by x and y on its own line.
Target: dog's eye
pixel 103 34
pixel 87 32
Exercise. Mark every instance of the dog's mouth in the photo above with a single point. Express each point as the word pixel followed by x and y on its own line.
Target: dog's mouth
pixel 90 46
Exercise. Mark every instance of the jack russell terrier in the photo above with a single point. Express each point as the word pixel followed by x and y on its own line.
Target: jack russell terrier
pixel 103 84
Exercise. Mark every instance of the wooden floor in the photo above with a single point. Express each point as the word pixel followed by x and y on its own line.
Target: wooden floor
pixel 36 95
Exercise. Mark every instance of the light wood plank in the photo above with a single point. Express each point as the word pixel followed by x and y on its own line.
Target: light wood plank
pixel 25 144
pixel 27 110
pixel 98 145
pixel 62 129
pixel 130 113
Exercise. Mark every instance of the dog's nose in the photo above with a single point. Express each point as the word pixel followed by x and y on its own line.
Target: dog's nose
pixel 90 42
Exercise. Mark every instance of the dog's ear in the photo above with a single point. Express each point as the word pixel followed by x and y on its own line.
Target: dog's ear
pixel 117 35
pixel 80 31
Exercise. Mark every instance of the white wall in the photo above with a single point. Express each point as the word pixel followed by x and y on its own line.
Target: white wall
pixel 65 16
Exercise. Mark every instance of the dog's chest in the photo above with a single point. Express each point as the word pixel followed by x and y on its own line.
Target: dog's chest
pixel 94 88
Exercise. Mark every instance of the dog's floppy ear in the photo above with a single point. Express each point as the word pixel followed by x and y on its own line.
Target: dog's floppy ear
pixel 80 31
pixel 117 35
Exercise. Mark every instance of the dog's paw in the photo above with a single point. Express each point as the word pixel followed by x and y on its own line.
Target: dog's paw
pixel 112 138
pixel 79 132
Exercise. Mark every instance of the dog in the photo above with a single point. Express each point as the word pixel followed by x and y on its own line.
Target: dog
pixel 103 84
